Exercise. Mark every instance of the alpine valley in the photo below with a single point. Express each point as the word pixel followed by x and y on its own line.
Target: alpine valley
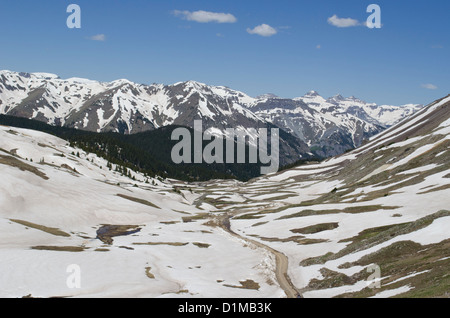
pixel 79 221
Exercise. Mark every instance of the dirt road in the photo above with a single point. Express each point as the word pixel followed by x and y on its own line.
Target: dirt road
pixel 282 262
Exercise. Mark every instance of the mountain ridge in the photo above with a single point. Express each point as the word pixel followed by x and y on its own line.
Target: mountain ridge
pixel 323 127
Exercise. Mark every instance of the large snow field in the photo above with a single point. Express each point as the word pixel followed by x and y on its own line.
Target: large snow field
pixel 185 259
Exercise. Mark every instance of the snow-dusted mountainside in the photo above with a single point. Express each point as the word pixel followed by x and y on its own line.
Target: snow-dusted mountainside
pixel 372 222
pixel 330 126
pixel 121 105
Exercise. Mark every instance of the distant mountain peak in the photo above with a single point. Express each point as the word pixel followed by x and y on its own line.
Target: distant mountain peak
pixel 312 94
pixel 338 97
pixel 193 83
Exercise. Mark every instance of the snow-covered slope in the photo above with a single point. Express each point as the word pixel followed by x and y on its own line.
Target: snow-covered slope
pixel 54 202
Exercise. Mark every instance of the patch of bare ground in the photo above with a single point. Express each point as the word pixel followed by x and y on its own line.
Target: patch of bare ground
pixel 16 163
pixel 247 284
pixel 12 132
pixel 148 273
pixel 193 218
pixel 59 248
pixel 163 243
pixel 201 245
pixel 333 279
pixel 259 224
pixel 169 222
pixel 350 210
pixel 49 230
pixel 316 228
pixel 137 200
pixel 443 187
pixel 300 240
pixel 250 216
pixel 73 171
pixel 100 249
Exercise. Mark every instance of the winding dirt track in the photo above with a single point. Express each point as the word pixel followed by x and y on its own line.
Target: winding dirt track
pixel 282 262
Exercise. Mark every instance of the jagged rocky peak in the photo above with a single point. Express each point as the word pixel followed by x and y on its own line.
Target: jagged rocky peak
pixel 190 84
pixel 336 98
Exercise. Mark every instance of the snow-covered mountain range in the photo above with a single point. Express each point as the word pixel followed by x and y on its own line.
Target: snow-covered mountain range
pixel 324 126
pixel 330 126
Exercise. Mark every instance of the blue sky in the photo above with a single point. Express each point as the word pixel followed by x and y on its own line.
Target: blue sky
pixel 156 41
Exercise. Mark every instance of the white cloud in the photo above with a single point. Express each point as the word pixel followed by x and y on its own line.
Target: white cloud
pixel 205 16
pixel 429 86
pixel 263 30
pixel 98 37
pixel 343 22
